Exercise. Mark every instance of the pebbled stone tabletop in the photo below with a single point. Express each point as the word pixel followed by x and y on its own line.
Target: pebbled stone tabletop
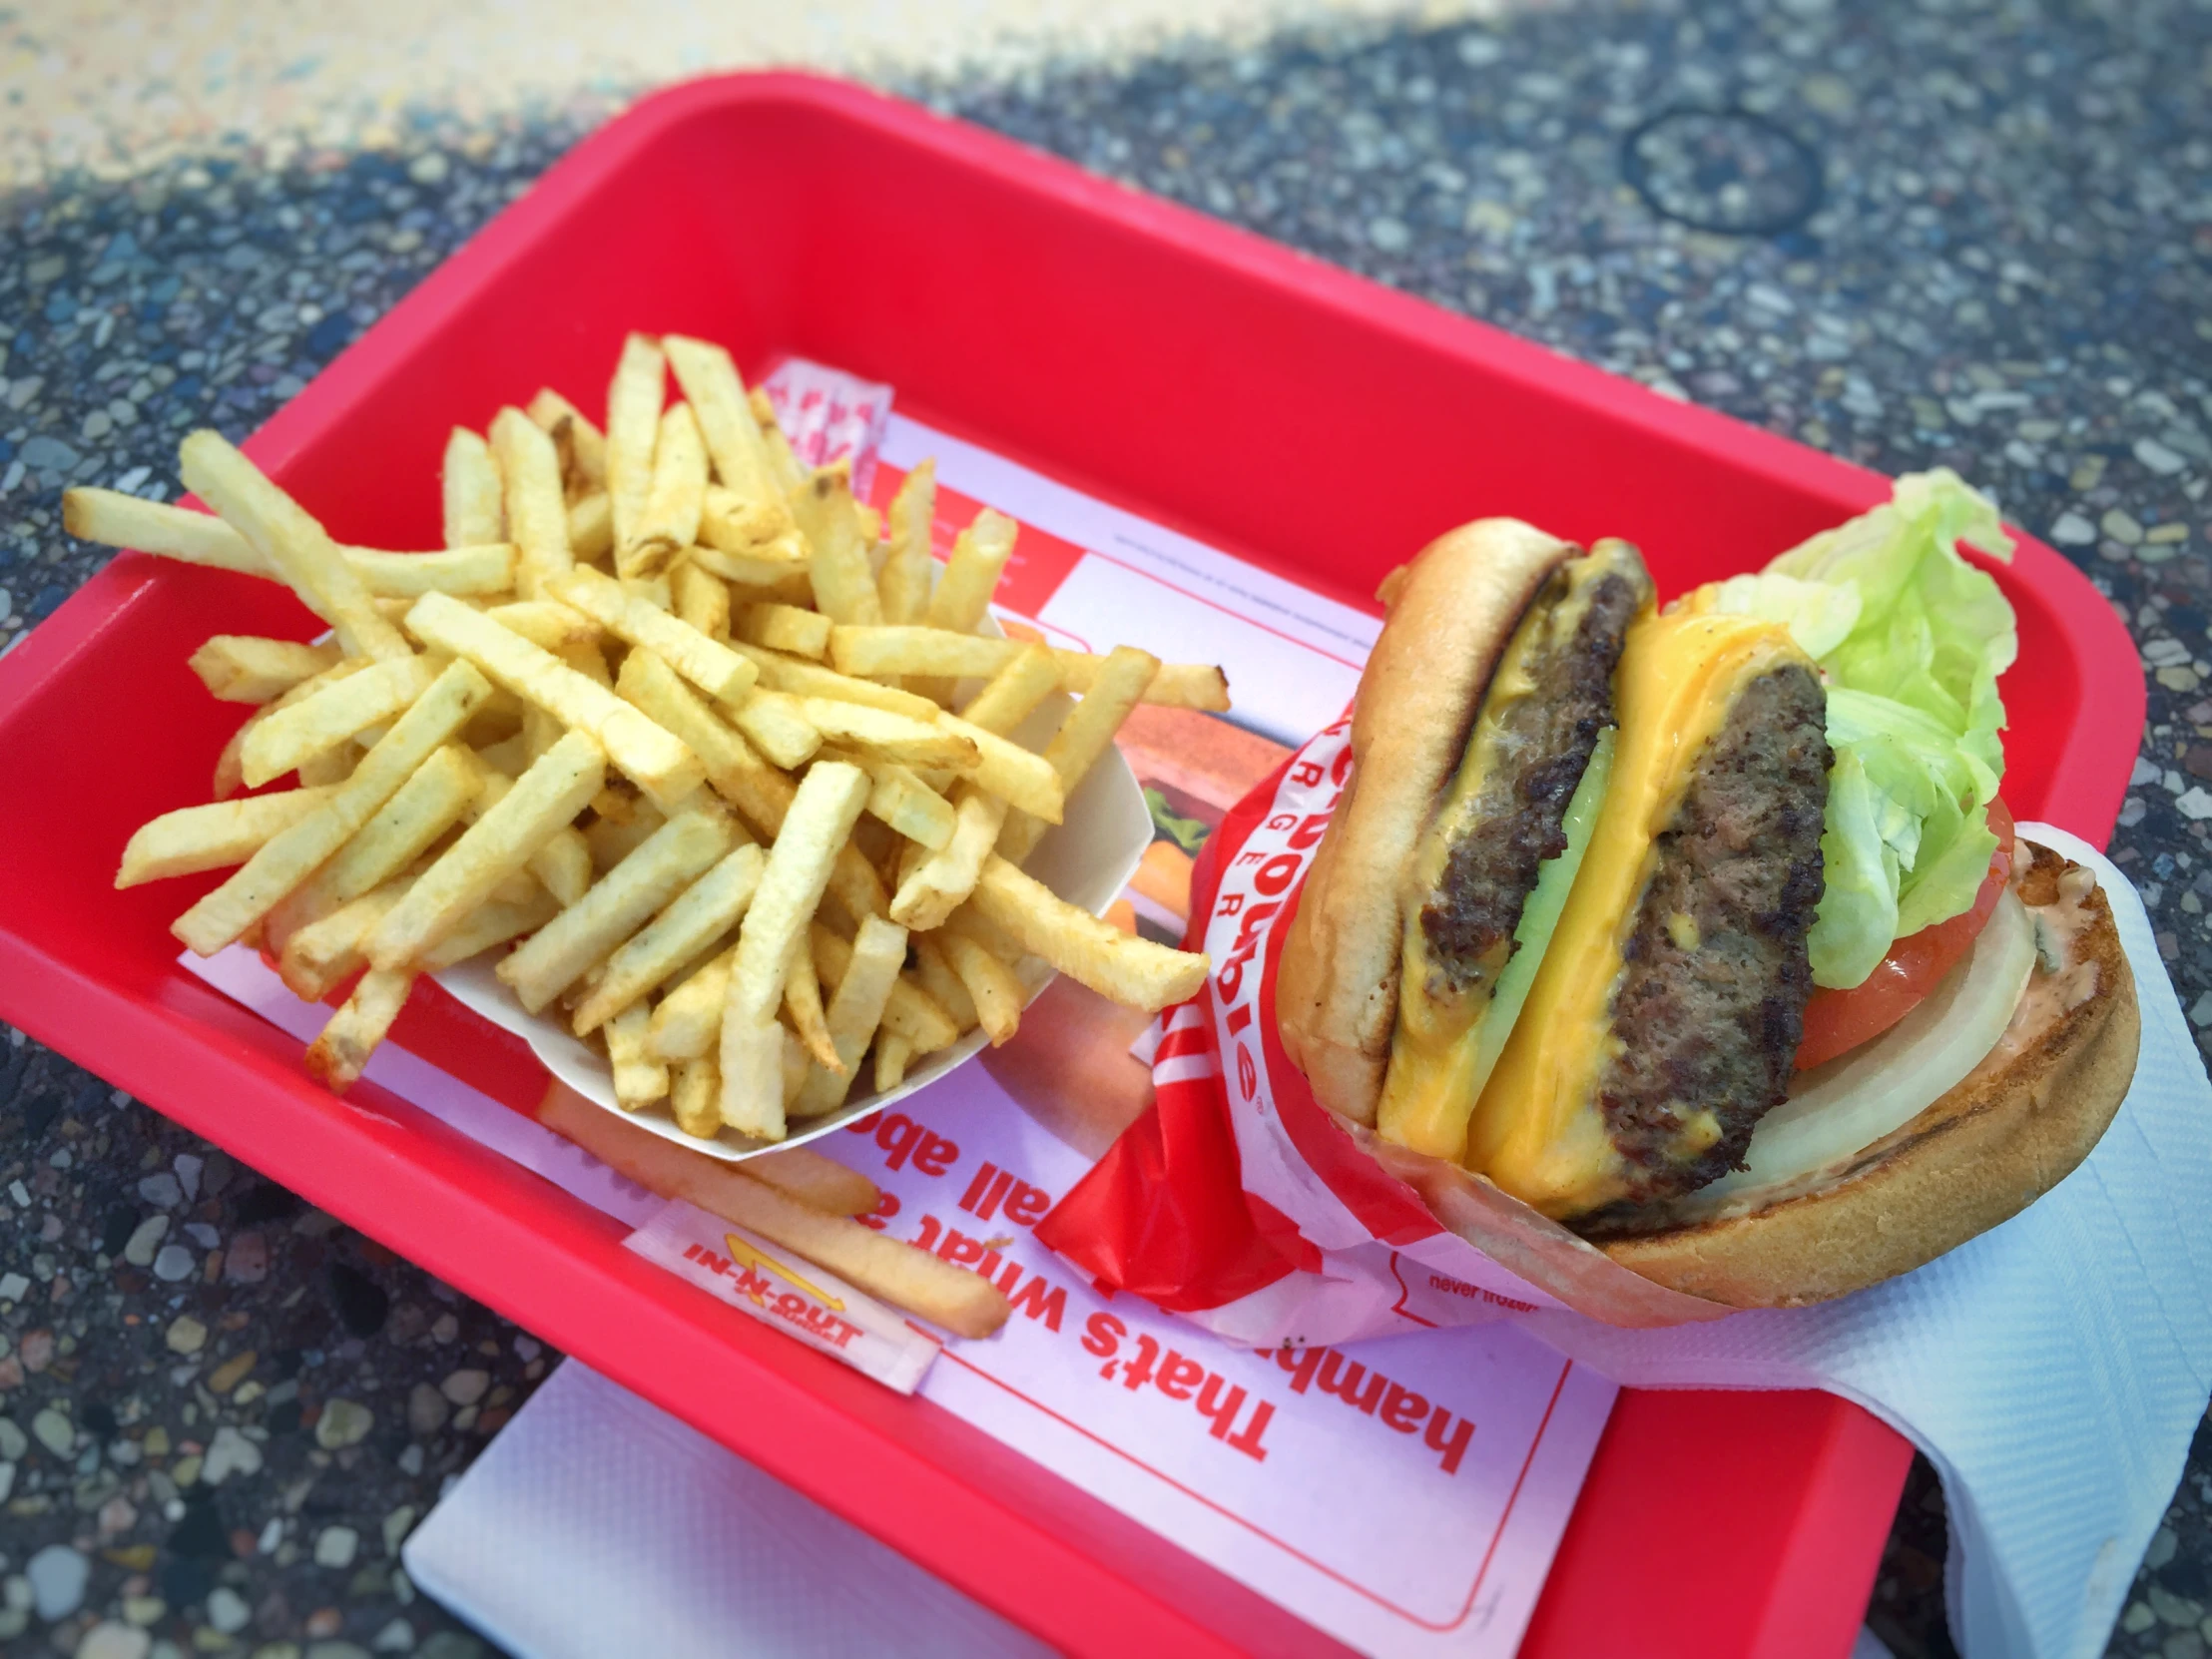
pixel 220 1411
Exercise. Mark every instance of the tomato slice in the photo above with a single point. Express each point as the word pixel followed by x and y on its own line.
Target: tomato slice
pixel 1835 1021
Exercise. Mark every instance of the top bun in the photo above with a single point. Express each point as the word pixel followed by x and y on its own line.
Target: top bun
pixel 1453 612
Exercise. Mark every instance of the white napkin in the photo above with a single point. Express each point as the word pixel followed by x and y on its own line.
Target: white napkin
pixel 2053 1369
pixel 599 1525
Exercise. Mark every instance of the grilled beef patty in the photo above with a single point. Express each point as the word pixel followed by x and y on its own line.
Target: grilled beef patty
pixel 1711 1005
pixel 1546 741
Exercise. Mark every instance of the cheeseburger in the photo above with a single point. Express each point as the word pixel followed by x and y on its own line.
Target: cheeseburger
pixel 1703 930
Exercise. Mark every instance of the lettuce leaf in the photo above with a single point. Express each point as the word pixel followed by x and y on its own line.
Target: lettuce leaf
pixel 1910 640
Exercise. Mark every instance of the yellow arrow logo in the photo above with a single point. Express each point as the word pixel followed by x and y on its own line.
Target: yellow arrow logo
pixel 739 1251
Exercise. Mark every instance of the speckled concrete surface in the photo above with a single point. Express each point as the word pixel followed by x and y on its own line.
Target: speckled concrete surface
pixel 2008 276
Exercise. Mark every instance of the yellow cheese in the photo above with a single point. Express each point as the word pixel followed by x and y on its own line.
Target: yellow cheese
pixel 1439 1058
pixel 1538 1131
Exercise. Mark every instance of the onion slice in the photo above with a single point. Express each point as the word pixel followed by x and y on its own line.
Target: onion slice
pixel 1839 1109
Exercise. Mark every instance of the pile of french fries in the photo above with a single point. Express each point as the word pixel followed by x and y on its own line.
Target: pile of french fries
pixel 721 762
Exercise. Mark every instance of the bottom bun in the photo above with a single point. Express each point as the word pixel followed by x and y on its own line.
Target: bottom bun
pixel 2014 1128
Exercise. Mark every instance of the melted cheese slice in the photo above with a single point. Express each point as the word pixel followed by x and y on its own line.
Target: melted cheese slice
pixel 1537 1130
pixel 1442 1046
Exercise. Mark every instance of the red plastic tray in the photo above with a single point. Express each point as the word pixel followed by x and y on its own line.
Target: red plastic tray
pixel 1270 406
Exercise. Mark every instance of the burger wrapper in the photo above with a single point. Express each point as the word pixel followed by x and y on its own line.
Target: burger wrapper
pixel 1243 1202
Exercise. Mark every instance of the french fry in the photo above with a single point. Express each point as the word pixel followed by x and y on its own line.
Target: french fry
pixel 988 933
pixel 470 572
pixel 293 854
pixel 940 882
pixel 892 1052
pixel 695 919
pixel 1084 736
pixel 546 623
pixel 196 838
pixel 804 678
pixel 742 542
pixel 663 864
pixel 591 527
pixel 427 805
pixel 709 377
pixel 803 1006
pixel 1175 685
pixel 762 1203
pixel 537 511
pixel 883 1267
pixel 1027 679
pixel 759 792
pixel 784 628
pixel 319 724
pixel 759 530
pixel 777 724
pixel 1132 972
pixel 321 955
pixel 963 592
pixel 533 809
pixel 639 1080
pixel 900 799
pixel 993 989
pixel 694 1098
pixel 821 819
pixel 117 520
pixel 243 668
pixel 229 766
pixel 820 1182
pixel 564 865
pixel 919 649
pixel 510 757
pixel 1017 776
pixel 634 400
pixel 855 1010
pixel 668 520
pixel 933 973
pixel 297 547
pixel 890 737
pixel 339 1056
pixel 902 586
pixel 470 488
pixel 705 663
pixel 650 756
pixel 783 465
pixel 334 766
pixel 701 599
pixel 583 445
pixel 586 659
pixel 911 1012
pixel 493 922
pixel 610 843
pixel 688 1017
pixel 845 585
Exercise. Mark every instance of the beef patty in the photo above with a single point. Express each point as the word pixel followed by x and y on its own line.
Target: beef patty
pixel 1711 1004
pixel 1545 742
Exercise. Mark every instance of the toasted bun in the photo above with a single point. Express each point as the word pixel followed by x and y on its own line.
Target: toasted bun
pixel 1453 612
pixel 2010 1131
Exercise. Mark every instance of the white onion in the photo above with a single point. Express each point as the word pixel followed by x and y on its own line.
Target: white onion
pixel 1841 1108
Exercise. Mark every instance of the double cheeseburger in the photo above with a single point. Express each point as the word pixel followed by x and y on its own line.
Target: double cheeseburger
pixel 1701 930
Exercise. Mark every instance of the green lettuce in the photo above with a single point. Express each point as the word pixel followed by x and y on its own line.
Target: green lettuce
pixel 1910 640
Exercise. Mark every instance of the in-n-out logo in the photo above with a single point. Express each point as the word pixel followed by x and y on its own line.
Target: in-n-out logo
pixel 1256 882
pixel 752 1274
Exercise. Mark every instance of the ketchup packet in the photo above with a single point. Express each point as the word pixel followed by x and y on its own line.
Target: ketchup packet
pixel 1239 1201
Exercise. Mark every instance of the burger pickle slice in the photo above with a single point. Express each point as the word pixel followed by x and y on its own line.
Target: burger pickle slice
pixel 1498 858
pixel 1664 1017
